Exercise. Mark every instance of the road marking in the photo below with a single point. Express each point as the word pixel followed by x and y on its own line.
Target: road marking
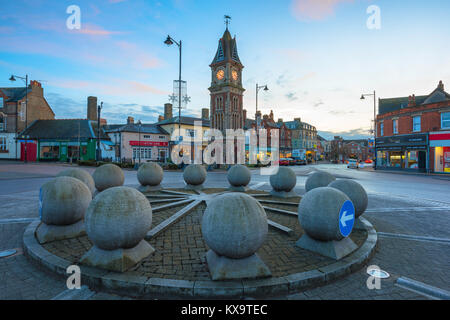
pixel 17 220
pixel 413 237
pixel 258 185
pixel 75 294
pixel 414 209
pixel 422 288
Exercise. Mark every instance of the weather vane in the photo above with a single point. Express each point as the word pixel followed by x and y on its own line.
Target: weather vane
pixel 227 20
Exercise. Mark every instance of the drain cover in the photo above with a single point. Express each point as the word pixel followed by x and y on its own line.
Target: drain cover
pixel 378 273
pixel 7 253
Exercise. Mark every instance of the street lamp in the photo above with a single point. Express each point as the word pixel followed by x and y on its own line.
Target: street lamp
pixel 257 90
pixel 99 109
pixel 169 41
pixel 139 123
pixel 25 79
pixel 363 97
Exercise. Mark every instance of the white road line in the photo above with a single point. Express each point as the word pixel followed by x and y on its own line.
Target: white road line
pixel 17 220
pixel 413 237
pixel 418 209
pixel 422 288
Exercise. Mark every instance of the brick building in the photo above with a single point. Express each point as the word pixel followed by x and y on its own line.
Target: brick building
pixel 413 132
pixel 19 107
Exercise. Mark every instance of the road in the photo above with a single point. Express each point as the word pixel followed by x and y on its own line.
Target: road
pixel 411 213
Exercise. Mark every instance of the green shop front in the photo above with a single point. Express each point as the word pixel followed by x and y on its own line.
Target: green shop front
pixel 50 150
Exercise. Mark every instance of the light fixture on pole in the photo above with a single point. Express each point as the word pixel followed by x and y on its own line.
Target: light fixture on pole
pixel 25 79
pixel 99 110
pixel 169 41
pixel 257 90
pixel 363 97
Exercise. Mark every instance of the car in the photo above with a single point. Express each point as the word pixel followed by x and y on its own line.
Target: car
pixel 352 163
pixel 299 161
pixel 368 161
pixel 291 161
pixel 284 162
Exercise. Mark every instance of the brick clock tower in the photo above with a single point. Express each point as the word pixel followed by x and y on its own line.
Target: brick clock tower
pixel 226 89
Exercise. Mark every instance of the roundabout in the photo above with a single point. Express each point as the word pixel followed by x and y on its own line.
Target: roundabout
pixel 179 265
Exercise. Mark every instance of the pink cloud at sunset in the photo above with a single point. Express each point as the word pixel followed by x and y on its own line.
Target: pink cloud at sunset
pixel 315 9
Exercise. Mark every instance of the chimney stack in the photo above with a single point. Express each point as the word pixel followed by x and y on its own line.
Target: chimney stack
pixel 280 120
pixel 205 114
pixel 271 115
pixel 130 120
pixel 265 117
pixel 160 118
pixel 441 85
pixel 297 120
pixel 168 111
pixel 92 108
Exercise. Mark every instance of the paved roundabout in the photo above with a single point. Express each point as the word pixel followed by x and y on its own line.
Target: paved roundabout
pixel 178 267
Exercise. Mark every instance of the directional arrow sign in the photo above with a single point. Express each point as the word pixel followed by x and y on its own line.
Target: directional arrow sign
pixel 346 218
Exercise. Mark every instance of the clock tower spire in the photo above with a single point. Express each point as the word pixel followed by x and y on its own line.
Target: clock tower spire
pixel 226 106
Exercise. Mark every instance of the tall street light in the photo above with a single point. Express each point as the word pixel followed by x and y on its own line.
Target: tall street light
pixel 257 90
pixel 99 109
pixel 25 79
pixel 169 41
pixel 363 96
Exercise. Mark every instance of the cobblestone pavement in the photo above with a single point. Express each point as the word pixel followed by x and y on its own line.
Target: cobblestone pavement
pixel 398 204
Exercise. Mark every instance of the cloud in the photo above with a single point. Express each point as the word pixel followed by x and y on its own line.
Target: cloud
pixel 94 30
pixel 318 103
pixel 359 133
pixel 291 96
pixel 340 112
pixel 314 9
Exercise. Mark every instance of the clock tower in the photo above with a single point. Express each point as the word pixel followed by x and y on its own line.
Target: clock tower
pixel 226 107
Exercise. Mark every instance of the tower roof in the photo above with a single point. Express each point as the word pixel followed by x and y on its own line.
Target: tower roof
pixel 227 49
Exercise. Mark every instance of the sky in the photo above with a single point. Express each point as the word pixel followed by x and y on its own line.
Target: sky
pixel 316 56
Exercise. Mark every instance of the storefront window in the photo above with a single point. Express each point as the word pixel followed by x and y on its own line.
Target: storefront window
pixel 395 159
pixel 412 159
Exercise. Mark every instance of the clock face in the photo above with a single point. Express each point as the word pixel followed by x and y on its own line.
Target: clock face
pixel 234 75
pixel 220 74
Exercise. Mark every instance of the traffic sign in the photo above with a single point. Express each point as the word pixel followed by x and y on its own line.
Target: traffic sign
pixel 346 218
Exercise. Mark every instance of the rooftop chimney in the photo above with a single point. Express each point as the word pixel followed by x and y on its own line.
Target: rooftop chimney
pixel 92 108
pixel 271 114
pixel 160 118
pixel 168 111
pixel 265 117
pixel 205 114
pixel 130 120
pixel 297 120
pixel 36 88
pixel 441 85
pixel 280 120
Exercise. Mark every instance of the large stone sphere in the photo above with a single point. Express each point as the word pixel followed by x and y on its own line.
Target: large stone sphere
pixel 355 192
pixel 318 179
pixel 63 201
pixel 239 175
pixel 234 225
pixel 318 213
pixel 194 174
pixel 81 175
pixel 150 174
pixel 118 217
pixel 284 180
pixel 107 176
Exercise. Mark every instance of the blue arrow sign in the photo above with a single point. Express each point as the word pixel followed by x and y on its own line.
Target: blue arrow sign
pixel 346 218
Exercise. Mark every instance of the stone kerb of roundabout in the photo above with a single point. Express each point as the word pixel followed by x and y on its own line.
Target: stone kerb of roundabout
pixel 202 242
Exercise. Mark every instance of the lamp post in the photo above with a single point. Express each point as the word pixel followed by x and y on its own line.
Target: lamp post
pixel 363 96
pixel 169 41
pixel 99 109
pixel 25 79
pixel 139 130
pixel 257 90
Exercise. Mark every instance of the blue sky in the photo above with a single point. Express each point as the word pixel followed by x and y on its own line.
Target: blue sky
pixel 316 56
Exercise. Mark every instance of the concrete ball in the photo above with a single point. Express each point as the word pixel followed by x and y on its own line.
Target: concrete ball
pixel 107 176
pixel 81 175
pixel 355 192
pixel 239 175
pixel 318 213
pixel 284 180
pixel 118 217
pixel 150 174
pixel 318 179
pixel 63 201
pixel 234 225
pixel 194 174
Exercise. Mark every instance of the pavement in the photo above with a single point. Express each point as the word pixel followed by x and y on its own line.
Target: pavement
pixel 410 212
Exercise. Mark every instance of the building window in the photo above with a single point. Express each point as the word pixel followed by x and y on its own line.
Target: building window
pixel 416 124
pixel 382 129
pixel 2 123
pixel 395 126
pixel 445 120
pixel 3 144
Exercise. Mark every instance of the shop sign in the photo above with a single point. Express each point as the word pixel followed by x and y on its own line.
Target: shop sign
pixel 405 140
pixel 149 143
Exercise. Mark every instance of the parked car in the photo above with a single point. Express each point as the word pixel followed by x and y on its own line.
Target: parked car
pixel 291 161
pixel 299 161
pixel 368 161
pixel 284 162
pixel 352 164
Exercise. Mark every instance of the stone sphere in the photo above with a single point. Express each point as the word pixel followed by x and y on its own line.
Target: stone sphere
pixel 107 176
pixel 318 213
pixel 118 217
pixel 150 174
pixel 318 179
pixel 284 180
pixel 234 225
pixel 239 175
pixel 79 174
pixel 63 201
pixel 194 174
pixel 355 192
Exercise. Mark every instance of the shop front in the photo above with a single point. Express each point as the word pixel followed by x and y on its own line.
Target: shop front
pixel 440 151
pixel 403 152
